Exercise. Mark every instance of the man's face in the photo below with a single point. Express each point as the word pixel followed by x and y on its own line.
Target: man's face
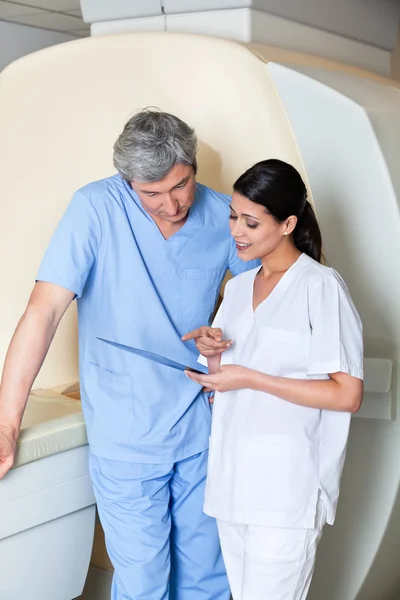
pixel 170 198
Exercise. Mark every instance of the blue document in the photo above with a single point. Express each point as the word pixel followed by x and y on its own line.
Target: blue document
pixel 163 360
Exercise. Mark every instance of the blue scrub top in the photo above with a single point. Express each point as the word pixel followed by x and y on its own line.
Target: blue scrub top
pixel 135 288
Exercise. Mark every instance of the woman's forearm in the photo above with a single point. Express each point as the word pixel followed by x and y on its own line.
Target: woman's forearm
pixel 339 393
pixel 214 363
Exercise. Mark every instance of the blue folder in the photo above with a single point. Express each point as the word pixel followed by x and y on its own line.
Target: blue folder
pixel 163 360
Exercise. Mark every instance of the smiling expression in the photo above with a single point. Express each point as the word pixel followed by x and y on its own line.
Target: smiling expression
pixel 256 233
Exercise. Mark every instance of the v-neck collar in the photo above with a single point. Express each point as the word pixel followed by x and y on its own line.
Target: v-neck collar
pixel 194 221
pixel 278 290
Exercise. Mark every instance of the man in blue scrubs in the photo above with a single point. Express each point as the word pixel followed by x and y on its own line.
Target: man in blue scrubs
pixel 144 252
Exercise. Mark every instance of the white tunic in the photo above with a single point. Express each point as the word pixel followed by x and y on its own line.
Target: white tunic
pixel 270 459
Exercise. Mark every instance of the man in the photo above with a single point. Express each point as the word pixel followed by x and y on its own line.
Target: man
pixel 144 252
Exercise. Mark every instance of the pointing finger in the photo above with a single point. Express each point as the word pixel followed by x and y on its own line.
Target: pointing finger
pixel 192 335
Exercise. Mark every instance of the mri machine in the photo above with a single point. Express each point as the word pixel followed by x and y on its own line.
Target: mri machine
pixel 60 112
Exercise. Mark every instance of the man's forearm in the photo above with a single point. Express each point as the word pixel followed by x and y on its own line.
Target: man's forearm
pixel 25 357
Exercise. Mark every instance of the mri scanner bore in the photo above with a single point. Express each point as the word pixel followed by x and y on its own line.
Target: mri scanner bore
pixel 339 127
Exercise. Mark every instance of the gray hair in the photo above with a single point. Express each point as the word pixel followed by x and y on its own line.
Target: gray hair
pixel 151 143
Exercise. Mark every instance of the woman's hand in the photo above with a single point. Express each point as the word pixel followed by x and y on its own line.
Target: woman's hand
pixel 209 340
pixel 229 377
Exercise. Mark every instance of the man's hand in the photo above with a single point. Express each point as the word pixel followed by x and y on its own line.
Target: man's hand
pixel 8 446
pixel 229 377
pixel 209 340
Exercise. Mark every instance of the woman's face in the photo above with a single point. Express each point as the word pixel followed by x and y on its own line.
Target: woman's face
pixel 256 232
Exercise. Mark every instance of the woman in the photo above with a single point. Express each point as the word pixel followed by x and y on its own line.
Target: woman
pixel 290 378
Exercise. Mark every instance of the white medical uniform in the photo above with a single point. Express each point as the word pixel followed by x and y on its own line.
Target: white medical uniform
pixel 274 467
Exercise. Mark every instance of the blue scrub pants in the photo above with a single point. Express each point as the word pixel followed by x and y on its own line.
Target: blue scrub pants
pixel 161 544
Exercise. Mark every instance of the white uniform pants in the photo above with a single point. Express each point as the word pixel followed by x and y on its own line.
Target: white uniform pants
pixel 270 563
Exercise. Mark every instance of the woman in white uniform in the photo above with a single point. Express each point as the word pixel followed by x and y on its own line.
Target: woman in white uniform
pixel 287 376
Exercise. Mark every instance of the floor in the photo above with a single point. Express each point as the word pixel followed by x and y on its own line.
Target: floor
pixel 98 585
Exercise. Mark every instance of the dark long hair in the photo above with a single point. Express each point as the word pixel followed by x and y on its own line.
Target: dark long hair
pixel 278 187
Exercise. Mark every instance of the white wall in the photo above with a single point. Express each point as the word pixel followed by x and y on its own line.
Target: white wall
pixel 369 21
pixel 18 40
pixel 248 25
pixel 372 22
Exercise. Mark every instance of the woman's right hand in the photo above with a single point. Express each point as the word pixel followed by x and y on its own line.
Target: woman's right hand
pixel 209 340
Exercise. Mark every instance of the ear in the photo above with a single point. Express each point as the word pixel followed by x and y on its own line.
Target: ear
pixel 289 225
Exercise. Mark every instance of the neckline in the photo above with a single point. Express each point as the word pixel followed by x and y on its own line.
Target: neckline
pixel 278 286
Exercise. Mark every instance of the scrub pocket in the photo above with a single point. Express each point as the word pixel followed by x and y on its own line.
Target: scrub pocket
pixel 277 474
pixel 198 289
pixel 111 398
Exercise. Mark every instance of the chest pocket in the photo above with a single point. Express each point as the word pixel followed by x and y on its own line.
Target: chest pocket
pixel 198 290
pixel 281 352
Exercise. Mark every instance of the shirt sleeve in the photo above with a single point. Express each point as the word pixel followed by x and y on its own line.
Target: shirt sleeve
pixel 73 247
pixel 336 329
pixel 236 264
